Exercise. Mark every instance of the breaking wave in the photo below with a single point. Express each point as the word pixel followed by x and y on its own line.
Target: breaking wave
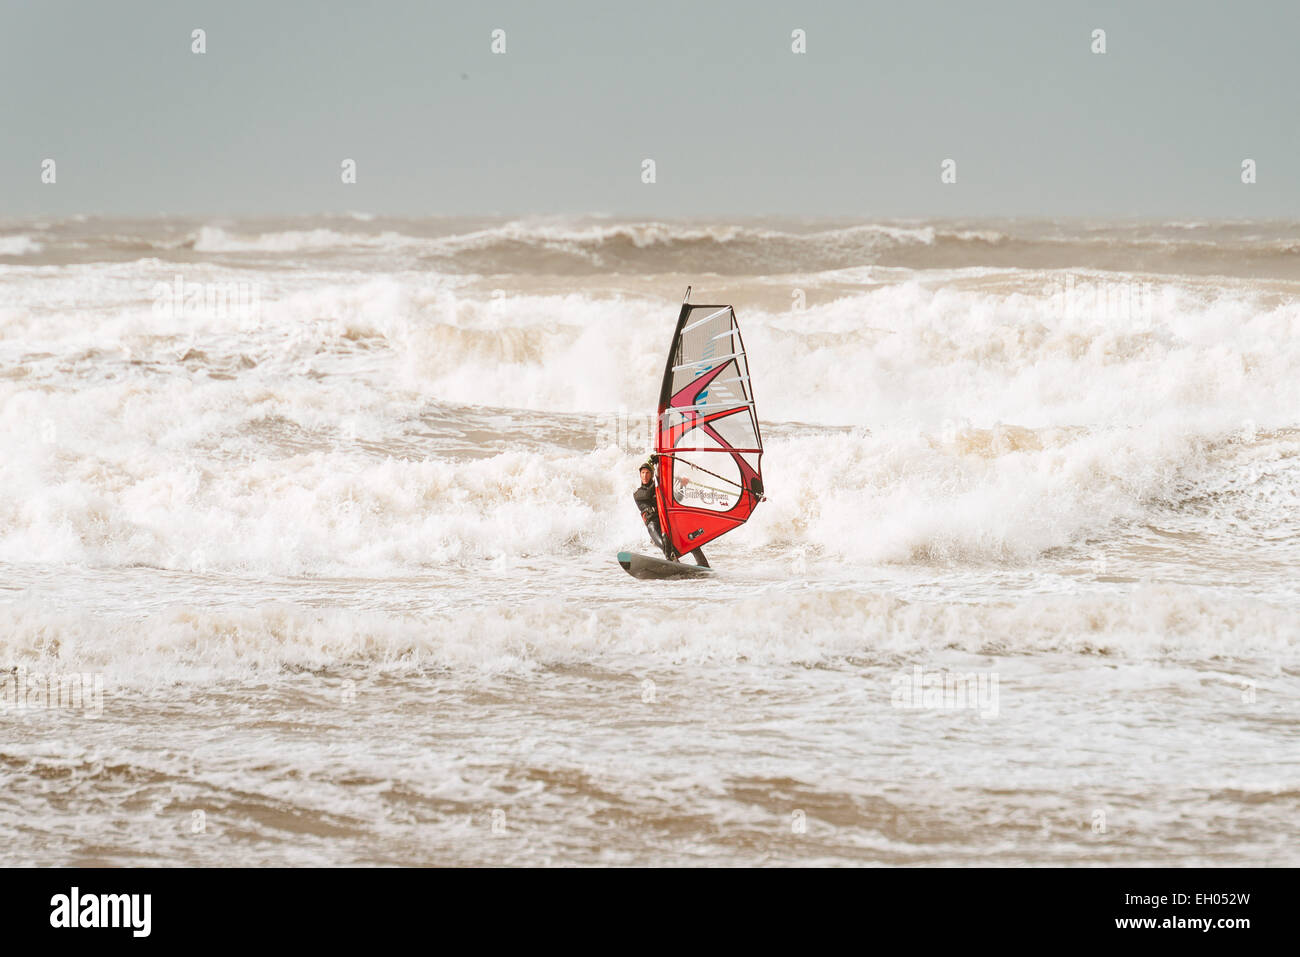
pixel 588 246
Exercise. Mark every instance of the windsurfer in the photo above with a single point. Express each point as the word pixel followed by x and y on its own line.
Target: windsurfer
pixel 648 504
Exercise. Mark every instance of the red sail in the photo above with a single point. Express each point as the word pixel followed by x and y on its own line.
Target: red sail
pixel 708 441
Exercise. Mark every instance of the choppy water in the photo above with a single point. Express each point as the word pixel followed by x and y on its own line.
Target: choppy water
pixel 335 529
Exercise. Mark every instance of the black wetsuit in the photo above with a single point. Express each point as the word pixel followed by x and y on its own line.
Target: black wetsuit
pixel 649 506
pixel 644 497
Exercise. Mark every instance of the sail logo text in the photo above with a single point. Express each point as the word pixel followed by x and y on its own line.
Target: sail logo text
pixel 946 691
pixel 102 910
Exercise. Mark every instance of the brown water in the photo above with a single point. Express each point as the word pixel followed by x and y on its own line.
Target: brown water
pixel 336 536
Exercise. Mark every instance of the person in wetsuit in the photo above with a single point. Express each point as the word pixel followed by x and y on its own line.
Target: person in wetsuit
pixel 648 504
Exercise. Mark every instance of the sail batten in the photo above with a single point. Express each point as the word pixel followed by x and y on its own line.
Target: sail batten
pixel 700 322
pixel 705 361
pixel 701 408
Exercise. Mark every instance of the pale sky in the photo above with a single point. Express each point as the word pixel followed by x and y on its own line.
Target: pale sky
pixel 736 123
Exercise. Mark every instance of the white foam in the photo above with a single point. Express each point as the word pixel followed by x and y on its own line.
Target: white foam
pixel 805 627
pixel 214 239
pixel 19 246
pixel 988 426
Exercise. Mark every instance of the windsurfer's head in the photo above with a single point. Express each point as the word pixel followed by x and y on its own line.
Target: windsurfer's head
pixel 646 474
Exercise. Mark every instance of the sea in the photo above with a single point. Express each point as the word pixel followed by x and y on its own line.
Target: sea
pixel 308 537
